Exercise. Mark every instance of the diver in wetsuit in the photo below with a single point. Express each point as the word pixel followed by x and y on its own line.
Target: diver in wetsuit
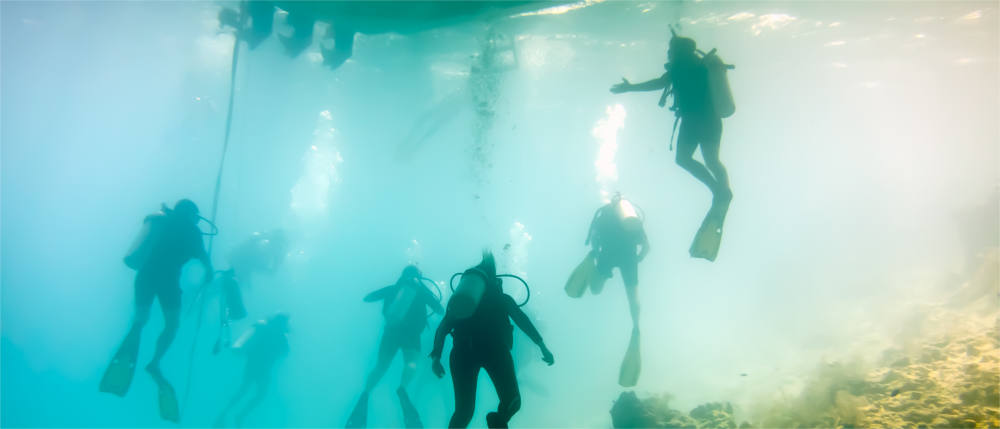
pixel 701 125
pixel 405 309
pixel 614 237
pixel 168 241
pixel 262 345
pixel 483 340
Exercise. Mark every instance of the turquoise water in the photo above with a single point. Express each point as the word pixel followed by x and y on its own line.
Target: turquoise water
pixel 864 133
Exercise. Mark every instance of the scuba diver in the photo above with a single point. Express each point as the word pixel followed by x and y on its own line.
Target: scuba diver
pixel 261 253
pixel 263 345
pixel 701 99
pixel 404 306
pixel 615 233
pixel 478 318
pixel 168 240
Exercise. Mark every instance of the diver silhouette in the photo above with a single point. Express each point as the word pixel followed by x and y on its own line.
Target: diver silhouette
pixel 263 344
pixel 702 98
pixel 615 234
pixel 478 319
pixel 167 241
pixel 405 309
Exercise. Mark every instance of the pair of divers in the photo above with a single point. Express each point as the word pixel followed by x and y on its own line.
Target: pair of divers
pixel 478 317
pixel 702 98
pixel 167 241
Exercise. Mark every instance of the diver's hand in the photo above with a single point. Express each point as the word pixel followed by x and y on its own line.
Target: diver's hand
pixel 623 86
pixel 437 368
pixel 547 356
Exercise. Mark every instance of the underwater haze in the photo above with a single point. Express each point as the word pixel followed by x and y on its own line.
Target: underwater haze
pixel 864 159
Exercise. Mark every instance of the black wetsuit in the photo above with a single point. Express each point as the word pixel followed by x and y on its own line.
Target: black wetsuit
pixel 405 332
pixel 176 242
pixel 616 245
pixel 693 103
pixel 484 341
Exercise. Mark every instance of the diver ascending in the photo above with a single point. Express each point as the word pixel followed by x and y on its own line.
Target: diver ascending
pixel 701 99
pixel 263 345
pixel 168 240
pixel 615 233
pixel 478 318
pixel 405 309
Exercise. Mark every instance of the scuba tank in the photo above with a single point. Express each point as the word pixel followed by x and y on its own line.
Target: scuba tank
pixel 465 300
pixel 401 303
pixel 232 297
pixel 138 253
pixel 472 292
pixel 629 216
pixel 718 84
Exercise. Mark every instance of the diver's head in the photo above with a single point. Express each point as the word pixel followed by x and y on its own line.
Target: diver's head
pixel 616 198
pixel 488 264
pixel 411 272
pixel 681 48
pixel 279 321
pixel 187 210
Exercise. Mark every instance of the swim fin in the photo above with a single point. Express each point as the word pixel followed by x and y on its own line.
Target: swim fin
pixel 709 237
pixel 359 417
pixel 580 278
pixel 118 377
pixel 169 410
pixel 410 415
pixel 632 364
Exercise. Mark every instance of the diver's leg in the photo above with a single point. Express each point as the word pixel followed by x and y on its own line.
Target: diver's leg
pixel 170 303
pixel 386 351
pixel 602 273
pixel 464 377
pixel 687 142
pixel 630 275
pixel 410 357
pixel 144 295
pixel 501 370
pixel 710 152
pixel 244 388
pixel 262 383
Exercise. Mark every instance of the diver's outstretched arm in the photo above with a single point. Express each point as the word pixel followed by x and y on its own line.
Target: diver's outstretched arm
pixel 522 321
pixel 649 85
pixel 379 294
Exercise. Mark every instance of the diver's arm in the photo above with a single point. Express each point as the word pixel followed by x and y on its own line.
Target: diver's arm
pixel 377 295
pixel 432 302
pixel 442 331
pixel 644 246
pixel 522 321
pixel 649 85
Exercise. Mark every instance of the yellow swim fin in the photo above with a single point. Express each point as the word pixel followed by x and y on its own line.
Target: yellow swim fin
pixel 632 364
pixel 580 278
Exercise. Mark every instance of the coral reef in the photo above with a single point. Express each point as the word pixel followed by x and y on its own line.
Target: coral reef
pixel 944 374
